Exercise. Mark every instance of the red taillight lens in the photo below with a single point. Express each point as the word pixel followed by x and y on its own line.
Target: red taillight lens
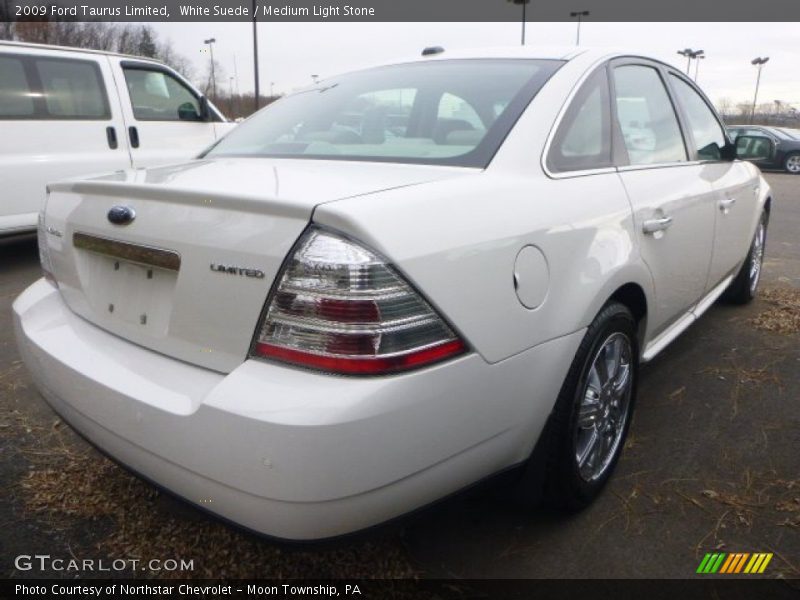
pixel 340 307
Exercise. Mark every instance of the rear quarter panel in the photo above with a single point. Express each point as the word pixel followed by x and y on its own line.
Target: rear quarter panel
pixel 457 241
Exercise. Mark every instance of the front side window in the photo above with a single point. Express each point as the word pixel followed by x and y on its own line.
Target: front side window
pixel 709 137
pixel 583 140
pixel 16 97
pixel 158 96
pixel 646 117
pixel 450 112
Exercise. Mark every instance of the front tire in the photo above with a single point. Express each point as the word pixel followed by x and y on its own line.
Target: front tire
pixel 588 426
pixel 745 286
pixel 792 163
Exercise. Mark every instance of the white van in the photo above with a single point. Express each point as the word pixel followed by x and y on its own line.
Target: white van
pixel 67 112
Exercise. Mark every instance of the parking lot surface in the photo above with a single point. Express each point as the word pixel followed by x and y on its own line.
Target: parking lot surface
pixel 712 463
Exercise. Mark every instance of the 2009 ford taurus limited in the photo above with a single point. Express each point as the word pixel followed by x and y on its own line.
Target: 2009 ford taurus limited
pixel 393 284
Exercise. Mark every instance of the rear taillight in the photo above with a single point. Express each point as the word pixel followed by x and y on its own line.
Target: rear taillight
pixel 340 307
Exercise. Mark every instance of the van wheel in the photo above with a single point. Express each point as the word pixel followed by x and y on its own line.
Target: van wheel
pixel 587 429
pixel 745 286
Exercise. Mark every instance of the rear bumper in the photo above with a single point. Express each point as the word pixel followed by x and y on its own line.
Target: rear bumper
pixel 286 452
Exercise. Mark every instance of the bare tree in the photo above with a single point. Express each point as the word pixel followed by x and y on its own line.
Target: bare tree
pixel 138 40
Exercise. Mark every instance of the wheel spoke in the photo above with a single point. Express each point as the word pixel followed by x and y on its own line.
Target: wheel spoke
pixel 601 365
pixel 622 379
pixel 588 450
pixel 589 412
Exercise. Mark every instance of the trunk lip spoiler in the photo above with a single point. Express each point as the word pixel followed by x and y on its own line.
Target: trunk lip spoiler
pixel 150 256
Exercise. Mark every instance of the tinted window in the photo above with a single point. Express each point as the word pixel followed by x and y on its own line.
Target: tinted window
pixel 583 140
pixel 72 89
pixel 454 112
pixel 706 130
pixel 157 96
pixel 646 117
pixel 15 93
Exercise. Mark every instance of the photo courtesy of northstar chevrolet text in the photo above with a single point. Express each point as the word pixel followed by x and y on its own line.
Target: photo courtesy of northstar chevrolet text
pixel 415 299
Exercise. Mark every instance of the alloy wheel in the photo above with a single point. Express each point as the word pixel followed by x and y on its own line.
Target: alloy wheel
pixel 604 407
pixel 757 256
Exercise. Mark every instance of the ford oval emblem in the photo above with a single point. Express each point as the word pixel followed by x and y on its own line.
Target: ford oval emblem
pixel 121 215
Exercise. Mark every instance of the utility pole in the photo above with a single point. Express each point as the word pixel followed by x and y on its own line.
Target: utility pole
pixel 579 14
pixel 255 56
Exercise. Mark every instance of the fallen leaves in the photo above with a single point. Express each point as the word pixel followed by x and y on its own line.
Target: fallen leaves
pixel 783 311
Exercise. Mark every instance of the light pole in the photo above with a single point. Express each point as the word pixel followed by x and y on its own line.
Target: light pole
pixel 271 89
pixel 524 4
pixel 698 56
pixel 758 62
pixel 579 14
pixel 255 57
pixel 687 52
pixel 210 43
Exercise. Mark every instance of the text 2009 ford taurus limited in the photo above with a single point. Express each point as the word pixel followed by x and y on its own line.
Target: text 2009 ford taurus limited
pixel 393 284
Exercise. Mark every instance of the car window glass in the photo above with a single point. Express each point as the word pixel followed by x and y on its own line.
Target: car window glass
pixel 374 115
pixel 157 96
pixel 15 94
pixel 706 130
pixel 583 140
pixel 646 117
pixel 72 89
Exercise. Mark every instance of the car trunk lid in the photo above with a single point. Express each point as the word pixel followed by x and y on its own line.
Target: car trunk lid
pixel 188 276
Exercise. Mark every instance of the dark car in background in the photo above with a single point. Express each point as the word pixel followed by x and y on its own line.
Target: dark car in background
pixel 775 148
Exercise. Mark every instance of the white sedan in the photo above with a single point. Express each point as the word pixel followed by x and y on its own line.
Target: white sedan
pixel 393 284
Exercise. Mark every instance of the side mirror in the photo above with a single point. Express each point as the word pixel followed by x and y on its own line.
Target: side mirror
pixel 188 112
pixel 754 147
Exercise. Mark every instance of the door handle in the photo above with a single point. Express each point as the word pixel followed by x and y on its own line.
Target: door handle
pixel 726 204
pixel 133 134
pixel 653 225
pixel 111 136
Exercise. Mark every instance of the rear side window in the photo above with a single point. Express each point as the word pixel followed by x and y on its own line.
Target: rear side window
pixel 72 89
pixel 583 140
pixel 706 130
pixel 646 117
pixel 16 96
pixel 51 89
pixel 158 96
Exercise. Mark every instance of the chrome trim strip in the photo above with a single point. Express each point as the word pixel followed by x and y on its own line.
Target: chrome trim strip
pixel 136 253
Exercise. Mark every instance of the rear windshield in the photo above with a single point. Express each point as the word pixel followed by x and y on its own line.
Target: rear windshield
pixel 453 112
pixel 791 134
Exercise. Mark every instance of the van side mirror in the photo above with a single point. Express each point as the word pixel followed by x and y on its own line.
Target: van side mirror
pixel 754 147
pixel 188 112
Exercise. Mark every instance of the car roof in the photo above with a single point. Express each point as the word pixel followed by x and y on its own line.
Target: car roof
pixel 55 48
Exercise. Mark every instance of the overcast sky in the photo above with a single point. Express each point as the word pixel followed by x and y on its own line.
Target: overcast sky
pixel 289 53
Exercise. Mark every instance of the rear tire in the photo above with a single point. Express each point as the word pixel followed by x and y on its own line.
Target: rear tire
pixel 586 431
pixel 791 163
pixel 745 286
